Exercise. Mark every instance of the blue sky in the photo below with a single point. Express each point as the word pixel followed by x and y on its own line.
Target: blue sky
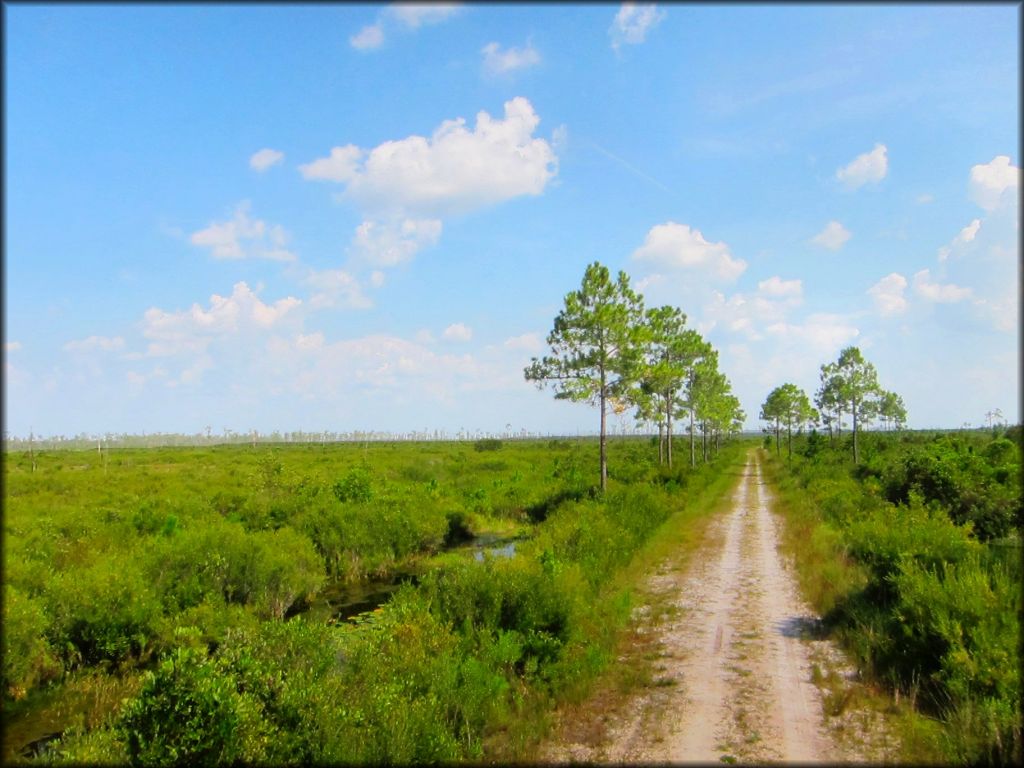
pixel 352 217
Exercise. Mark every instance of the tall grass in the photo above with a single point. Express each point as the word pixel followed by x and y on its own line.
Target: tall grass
pixel 928 607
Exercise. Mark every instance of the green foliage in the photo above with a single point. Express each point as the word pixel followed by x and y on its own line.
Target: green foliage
pixel 356 486
pixel 27 656
pixel 189 712
pixel 204 583
pixel 918 594
pixel 104 612
pixel 487 444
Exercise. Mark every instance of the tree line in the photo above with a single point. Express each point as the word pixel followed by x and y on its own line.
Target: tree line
pixel 849 386
pixel 608 350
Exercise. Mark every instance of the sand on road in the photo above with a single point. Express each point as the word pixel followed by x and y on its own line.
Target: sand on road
pixel 736 663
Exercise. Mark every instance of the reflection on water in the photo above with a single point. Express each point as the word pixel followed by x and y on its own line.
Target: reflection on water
pixel 346 601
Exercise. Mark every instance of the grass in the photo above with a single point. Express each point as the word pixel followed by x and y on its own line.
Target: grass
pixel 830 577
pixel 636 648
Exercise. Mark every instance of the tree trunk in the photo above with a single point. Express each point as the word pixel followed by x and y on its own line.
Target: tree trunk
pixel 778 438
pixel 661 443
pixel 789 439
pixel 669 429
pixel 693 454
pixel 604 458
pixel 853 411
pixel 704 440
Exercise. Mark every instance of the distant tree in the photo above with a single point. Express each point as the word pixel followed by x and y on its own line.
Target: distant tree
pixel 830 401
pixel 892 411
pixel 774 410
pixel 595 346
pixel 670 351
pixel 788 404
pixel 858 387
pixel 708 387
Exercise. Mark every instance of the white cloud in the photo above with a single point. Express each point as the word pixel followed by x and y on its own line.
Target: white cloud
pixel 368 38
pixel 869 168
pixel 243 237
pixel 191 330
pixel 777 287
pixel 925 198
pixel 989 182
pixel 455 170
pixel 498 61
pixel 966 235
pixel 676 246
pixel 387 244
pixel 361 370
pixel 336 288
pixel 264 159
pixel 406 16
pixel 424 336
pixel 527 342
pixel 341 165
pixel 96 344
pixel 457 332
pixel 833 236
pixel 12 346
pixel 376 278
pixel 941 293
pixel 632 23
pixel 823 334
pixel 560 138
pixel 750 313
pixel 888 294
pixel 415 15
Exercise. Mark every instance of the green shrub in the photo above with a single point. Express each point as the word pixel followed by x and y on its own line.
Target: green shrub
pixel 27 656
pixel 355 486
pixel 190 712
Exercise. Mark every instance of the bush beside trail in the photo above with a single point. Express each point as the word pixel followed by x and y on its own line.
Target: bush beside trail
pixel 906 556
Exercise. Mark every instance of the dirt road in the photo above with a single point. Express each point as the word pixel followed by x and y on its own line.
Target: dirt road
pixel 737 662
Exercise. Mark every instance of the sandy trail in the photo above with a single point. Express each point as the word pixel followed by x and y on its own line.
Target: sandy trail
pixel 736 660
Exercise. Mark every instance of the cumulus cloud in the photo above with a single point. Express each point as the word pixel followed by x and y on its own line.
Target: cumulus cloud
pixel 498 62
pixel 869 168
pixel 824 334
pixel 966 235
pixel 632 23
pixel 779 288
pixel 409 16
pixel 749 313
pixel 888 294
pixel 389 243
pixel 264 159
pixel 415 15
pixel 989 183
pixel 457 332
pixel 336 288
pixel 678 247
pixel 455 170
pixel 368 38
pixel 96 344
pixel 947 293
pixel 359 369
pixel 243 237
pixel 833 236
pixel 527 342
pixel 191 330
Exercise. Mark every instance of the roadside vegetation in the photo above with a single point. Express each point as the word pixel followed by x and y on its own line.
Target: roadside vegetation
pixel 176 579
pixel 913 557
